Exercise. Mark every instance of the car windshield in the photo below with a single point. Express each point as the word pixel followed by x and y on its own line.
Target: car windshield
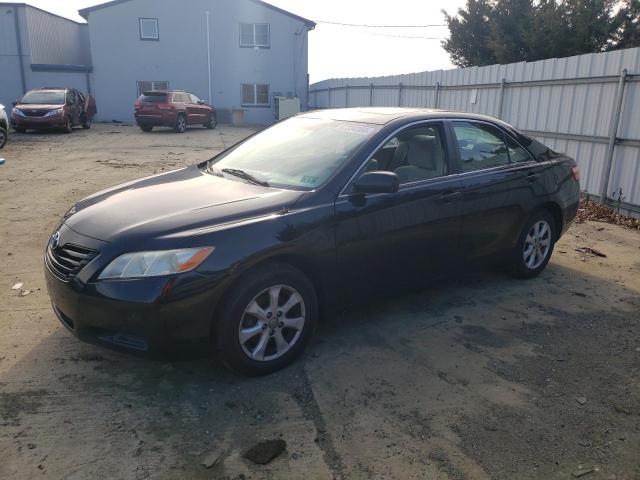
pixel 300 153
pixel 43 98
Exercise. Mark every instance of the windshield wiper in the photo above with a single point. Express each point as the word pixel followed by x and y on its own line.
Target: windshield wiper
pixel 245 176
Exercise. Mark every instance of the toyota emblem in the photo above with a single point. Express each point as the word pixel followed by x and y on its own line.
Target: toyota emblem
pixel 55 240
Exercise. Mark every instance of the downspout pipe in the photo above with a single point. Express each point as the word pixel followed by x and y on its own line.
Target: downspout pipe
pixel 19 45
pixel 208 13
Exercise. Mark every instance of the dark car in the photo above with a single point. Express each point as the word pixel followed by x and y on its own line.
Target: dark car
pixel 48 108
pixel 175 109
pixel 316 212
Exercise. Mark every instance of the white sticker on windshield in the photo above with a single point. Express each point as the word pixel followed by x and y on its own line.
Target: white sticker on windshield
pixel 355 129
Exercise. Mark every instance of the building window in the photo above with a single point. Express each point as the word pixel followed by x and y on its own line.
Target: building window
pixel 255 94
pixel 150 86
pixel 149 29
pixel 255 35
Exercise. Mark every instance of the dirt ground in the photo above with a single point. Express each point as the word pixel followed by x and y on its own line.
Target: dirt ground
pixel 478 377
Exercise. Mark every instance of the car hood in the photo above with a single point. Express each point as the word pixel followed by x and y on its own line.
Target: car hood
pixel 165 205
pixel 39 106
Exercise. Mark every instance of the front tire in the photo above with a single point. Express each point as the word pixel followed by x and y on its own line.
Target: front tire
pixel 267 320
pixel 3 137
pixel 181 124
pixel 86 123
pixel 146 128
pixel 535 245
pixel 212 122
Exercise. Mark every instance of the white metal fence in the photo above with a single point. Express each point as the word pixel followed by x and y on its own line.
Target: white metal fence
pixel 587 106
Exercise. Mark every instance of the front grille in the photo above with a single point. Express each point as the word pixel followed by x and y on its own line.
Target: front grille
pixel 66 262
pixel 35 113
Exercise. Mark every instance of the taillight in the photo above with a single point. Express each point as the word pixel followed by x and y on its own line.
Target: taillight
pixel 575 173
pixel 137 105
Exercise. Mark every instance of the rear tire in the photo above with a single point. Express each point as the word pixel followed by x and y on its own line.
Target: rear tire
pixel 181 123
pixel 262 343
pixel 146 128
pixel 212 122
pixel 3 137
pixel 535 245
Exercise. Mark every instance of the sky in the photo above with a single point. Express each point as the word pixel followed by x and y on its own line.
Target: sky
pixel 341 51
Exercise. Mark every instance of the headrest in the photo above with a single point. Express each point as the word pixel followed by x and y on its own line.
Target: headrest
pixel 424 152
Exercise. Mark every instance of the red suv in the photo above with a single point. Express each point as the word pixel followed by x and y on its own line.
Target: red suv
pixel 45 108
pixel 173 109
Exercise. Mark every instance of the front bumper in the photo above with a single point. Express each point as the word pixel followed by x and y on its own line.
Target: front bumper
pixel 155 315
pixel 37 123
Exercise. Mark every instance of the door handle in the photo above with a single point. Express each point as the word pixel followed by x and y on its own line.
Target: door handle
pixel 532 177
pixel 450 197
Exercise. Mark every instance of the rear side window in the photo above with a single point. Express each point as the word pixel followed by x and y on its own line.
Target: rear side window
pixel 147 98
pixel 483 146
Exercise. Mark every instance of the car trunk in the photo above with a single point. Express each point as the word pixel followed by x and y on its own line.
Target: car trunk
pixel 152 103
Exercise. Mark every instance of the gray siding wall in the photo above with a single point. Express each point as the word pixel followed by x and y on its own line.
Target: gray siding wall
pixel 10 82
pixel 120 58
pixel 569 109
pixel 55 40
pixel 45 39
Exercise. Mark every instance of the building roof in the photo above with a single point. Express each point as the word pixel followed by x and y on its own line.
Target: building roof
pixel 310 24
pixel 26 4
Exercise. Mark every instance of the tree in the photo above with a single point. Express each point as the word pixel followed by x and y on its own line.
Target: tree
pixel 549 30
pixel 591 25
pixel 511 24
pixel 506 31
pixel 627 32
pixel 470 32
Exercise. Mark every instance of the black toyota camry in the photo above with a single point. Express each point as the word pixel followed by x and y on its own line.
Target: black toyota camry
pixel 246 250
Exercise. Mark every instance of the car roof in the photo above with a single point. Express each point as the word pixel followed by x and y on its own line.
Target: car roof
pixel 164 92
pixel 384 115
pixel 51 89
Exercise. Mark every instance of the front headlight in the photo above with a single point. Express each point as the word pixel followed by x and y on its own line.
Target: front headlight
pixel 53 113
pixel 155 264
pixel 17 111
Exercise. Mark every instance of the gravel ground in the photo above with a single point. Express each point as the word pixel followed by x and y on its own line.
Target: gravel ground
pixel 477 377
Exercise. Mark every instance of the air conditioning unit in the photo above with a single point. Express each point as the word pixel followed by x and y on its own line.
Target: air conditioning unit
pixel 286 107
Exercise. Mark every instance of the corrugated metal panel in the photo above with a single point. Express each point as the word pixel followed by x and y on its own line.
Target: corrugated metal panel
pixel 55 40
pixel 581 105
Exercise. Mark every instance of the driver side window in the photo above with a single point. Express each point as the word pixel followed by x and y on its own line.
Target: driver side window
pixel 415 154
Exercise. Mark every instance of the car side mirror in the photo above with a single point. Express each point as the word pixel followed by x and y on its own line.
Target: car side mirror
pixel 377 182
pixel 201 102
pixel 13 104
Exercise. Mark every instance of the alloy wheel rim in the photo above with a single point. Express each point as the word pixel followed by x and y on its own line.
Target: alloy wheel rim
pixel 181 124
pixel 272 323
pixel 537 244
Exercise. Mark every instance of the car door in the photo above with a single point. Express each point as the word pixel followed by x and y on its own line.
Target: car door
pixel 200 111
pixel 393 239
pixel 499 184
pixel 190 108
pixel 74 108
